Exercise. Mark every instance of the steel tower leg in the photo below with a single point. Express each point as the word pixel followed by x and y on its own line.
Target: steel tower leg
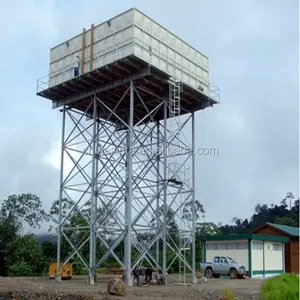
pixel 165 191
pixel 93 208
pixel 96 190
pixel 58 277
pixel 128 206
pixel 194 278
pixel 129 188
pixel 157 191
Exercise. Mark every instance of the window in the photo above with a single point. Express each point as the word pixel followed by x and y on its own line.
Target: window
pixel 217 259
pixel 257 245
pixel 229 259
pixel 223 260
pixel 231 246
pixel 277 247
pixel 211 246
pixel 242 245
pixel 221 246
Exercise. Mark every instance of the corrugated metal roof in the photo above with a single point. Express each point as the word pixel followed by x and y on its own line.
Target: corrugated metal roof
pixel 294 231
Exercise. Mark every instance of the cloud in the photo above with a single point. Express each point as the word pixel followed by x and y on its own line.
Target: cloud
pixel 253 50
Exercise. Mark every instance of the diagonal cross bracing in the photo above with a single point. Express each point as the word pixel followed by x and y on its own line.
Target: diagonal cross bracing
pixel 116 181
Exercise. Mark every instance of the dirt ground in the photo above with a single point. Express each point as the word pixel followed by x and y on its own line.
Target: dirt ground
pixel 77 288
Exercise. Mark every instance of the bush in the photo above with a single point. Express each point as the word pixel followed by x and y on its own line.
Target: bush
pixel 78 268
pixel 24 251
pixel 20 269
pixel 282 287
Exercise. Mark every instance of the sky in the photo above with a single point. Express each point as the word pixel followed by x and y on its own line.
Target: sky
pixel 253 49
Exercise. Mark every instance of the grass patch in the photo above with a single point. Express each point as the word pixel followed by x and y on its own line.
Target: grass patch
pixel 281 287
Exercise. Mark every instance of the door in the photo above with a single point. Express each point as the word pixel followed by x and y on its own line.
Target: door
pixel 294 257
pixel 224 265
pixel 216 265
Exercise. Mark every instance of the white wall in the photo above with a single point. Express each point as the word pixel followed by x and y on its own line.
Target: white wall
pixel 257 256
pixel 169 53
pixel 235 249
pixel 273 256
pixel 110 43
pixel 132 33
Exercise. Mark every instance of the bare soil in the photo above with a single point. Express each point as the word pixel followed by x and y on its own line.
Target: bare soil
pixel 77 289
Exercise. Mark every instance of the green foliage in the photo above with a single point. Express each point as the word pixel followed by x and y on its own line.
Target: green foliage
pixel 282 287
pixel 26 251
pixel 25 209
pixel 20 269
pixel 78 267
pixel 207 228
pixel 170 219
pixel 287 213
pixel 8 232
pixel 79 219
pixel 188 210
pixel 287 220
pixel 50 251
pixel 26 258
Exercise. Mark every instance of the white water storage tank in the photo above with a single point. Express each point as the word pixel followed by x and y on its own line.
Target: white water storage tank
pixel 131 33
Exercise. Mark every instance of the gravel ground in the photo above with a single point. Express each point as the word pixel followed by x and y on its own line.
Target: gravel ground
pixel 77 289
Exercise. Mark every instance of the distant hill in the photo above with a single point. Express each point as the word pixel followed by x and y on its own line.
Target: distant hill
pixel 41 238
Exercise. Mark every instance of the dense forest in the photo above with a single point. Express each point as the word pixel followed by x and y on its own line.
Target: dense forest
pixel 27 254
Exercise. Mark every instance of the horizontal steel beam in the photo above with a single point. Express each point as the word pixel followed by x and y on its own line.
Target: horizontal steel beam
pixel 114 84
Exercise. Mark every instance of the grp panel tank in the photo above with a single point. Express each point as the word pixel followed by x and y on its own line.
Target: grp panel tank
pixel 130 33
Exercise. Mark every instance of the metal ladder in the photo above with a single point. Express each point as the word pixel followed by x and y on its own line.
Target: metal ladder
pixel 174 121
pixel 174 97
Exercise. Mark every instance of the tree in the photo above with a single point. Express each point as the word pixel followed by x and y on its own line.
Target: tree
pixel 50 250
pixel 80 219
pixel 296 204
pixel 76 219
pixel 25 209
pixel 170 219
pixel 280 214
pixel 187 210
pixel 286 221
pixel 8 232
pixel 289 197
pixel 207 229
pixel 25 257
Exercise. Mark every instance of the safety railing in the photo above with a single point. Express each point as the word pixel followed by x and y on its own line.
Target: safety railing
pixel 214 92
pixel 118 51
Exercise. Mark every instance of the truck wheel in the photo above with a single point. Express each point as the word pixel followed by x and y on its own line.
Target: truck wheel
pixel 233 274
pixel 208 273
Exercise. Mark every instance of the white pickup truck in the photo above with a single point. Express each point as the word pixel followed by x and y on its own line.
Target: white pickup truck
pixel 223 265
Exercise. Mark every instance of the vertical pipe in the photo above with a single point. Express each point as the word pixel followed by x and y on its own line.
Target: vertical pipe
pixel 93 196
pixel 60 193
pixel 165 192
pixel 193 203
pixel 92 47
pixel 128 221
pixel 82 51
pixel 157 192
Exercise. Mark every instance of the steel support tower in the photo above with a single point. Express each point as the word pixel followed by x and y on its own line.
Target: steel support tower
pixel 117 134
